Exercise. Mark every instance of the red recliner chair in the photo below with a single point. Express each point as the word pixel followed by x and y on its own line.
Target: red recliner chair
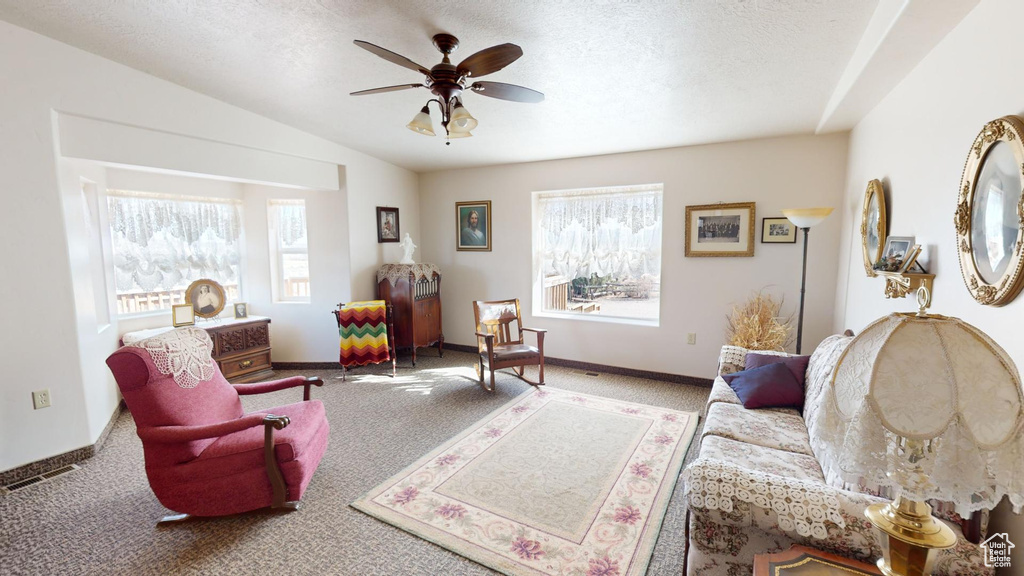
pixel 204 455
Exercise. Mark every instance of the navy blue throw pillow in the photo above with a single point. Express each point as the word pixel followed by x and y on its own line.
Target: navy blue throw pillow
pixel 771 386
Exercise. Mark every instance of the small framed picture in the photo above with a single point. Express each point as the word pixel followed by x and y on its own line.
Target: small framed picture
pixel 183 315
pixel 206 297
pixel 473 226
pixel 387 225
pixel 241 310
pixel 720 229
pixel 777 231
pixel 895 252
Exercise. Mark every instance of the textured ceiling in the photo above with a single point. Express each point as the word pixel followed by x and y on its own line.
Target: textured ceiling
pixel 618 75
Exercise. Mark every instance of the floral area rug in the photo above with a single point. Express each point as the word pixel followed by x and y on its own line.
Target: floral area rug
pixel 552 483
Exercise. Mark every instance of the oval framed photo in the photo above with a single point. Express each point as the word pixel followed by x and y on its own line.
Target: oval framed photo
pixel 872 225
pixel 206 297
pixel 989 216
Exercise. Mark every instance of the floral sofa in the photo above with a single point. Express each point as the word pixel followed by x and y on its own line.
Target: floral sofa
pixel 762 482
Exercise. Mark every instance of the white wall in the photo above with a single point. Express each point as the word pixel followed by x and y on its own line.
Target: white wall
pixel 59 102
pixel 696 293
pixel 917 140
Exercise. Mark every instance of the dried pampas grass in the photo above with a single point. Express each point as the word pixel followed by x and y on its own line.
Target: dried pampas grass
pixel 758 325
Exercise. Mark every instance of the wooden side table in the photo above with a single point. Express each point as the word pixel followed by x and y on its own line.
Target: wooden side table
pixel 804 561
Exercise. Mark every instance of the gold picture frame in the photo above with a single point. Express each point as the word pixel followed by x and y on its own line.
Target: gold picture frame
pixel 182 315
pixel 473 226
pixel 715 230
pixel 873 226
pixel 989 217
pixel 241 309
pixel 206 297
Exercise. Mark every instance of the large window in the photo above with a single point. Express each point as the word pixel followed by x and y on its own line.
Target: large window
pixel 598 252
pixel 289 250
pixel 162 243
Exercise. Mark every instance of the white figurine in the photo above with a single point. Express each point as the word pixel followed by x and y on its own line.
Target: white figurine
pixel 409 248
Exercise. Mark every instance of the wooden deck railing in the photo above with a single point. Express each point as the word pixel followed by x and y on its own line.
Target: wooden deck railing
pixel 134 302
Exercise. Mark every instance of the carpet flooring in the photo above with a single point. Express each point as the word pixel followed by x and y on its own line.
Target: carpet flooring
pixel 101 519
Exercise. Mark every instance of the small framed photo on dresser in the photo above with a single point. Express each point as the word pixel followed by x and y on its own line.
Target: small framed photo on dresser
pixel 183 315
pixel 241 310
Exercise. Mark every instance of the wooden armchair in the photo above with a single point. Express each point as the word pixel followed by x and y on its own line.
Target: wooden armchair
pixel 496 344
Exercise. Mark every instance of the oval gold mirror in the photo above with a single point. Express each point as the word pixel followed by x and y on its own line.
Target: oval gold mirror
pixel 872 225
pixel 989 215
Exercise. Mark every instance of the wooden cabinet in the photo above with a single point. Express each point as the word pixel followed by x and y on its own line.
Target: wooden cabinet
pixel 414 291
pixel 242 349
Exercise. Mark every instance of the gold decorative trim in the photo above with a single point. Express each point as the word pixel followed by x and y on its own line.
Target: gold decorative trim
pixel 1008 129
pixel 874 190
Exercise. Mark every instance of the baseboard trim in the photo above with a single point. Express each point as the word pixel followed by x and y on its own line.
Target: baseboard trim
pixel 38 467
pixel 306 366
pixel 603 368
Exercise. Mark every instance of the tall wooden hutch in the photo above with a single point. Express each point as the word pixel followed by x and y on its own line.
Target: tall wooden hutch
pixel 414 291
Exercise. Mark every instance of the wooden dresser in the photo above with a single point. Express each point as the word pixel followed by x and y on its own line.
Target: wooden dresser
pixel 414 291
pixel 241 347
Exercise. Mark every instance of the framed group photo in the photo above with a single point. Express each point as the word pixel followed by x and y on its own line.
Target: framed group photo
pixel 387 225
pixel 777 231
pixel 473 226
pixel 720 229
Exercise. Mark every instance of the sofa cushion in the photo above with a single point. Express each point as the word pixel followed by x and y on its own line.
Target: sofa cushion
pixel 783 429
pixel 796 364
pixel 767 387
pixel 734 358
pixel 762 459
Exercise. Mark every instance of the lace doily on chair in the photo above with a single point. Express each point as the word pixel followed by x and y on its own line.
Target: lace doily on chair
pixel 801 507
pixel 395 272
pixel 184 354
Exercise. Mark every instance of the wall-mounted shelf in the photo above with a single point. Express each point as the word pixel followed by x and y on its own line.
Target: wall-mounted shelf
pixel 899 285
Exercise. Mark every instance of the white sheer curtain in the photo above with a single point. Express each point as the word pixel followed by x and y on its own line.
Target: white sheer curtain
pixel 612 232
pixel 163 243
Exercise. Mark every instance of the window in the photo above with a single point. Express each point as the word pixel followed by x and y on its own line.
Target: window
pixel 162 243
pixel 598 252
pixel 289 250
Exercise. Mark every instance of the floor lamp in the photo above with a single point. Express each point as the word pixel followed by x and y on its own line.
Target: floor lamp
pixel 804 218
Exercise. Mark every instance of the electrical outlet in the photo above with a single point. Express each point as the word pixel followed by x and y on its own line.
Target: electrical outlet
pixel 691 338
pixel 41 399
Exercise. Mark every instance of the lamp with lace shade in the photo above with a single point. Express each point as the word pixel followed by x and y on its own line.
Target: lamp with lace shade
pixel 942 419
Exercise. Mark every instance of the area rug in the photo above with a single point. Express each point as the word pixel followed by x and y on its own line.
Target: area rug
pixel 554 482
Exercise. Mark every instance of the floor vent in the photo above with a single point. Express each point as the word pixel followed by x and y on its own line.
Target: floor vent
pixel 41 478
pixel 585 373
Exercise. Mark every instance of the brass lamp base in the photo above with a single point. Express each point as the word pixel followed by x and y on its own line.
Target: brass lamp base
pixel 910 536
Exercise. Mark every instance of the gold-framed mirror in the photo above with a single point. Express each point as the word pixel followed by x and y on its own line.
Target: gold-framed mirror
pixel 872 225
pixel 989 215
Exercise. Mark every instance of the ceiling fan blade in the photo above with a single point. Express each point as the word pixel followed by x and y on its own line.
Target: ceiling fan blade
pixel 507 92
pixel 489 60
pixel 386 89
pixel 392 57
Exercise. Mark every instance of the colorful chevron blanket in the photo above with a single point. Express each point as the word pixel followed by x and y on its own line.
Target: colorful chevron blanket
pixel 363 329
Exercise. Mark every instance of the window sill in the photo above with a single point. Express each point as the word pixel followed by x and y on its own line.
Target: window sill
pixel 654 323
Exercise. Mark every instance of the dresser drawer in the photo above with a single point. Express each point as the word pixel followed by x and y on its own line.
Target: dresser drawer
pixel 238 367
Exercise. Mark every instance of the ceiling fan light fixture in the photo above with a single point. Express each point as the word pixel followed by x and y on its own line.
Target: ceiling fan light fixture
pixel 454 134
pixel 461 121
pixel 421 123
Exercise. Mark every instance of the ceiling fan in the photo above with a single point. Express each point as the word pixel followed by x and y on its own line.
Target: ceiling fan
pixel 448 81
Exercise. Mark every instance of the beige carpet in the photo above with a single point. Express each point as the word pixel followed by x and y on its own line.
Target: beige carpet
pixel 101 519
pixel 553 483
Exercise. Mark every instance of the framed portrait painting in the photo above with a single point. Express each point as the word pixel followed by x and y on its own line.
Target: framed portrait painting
pixel 473 226
pixel 777 231
pixel 720 229
pixel 206 297
pixel 387 225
